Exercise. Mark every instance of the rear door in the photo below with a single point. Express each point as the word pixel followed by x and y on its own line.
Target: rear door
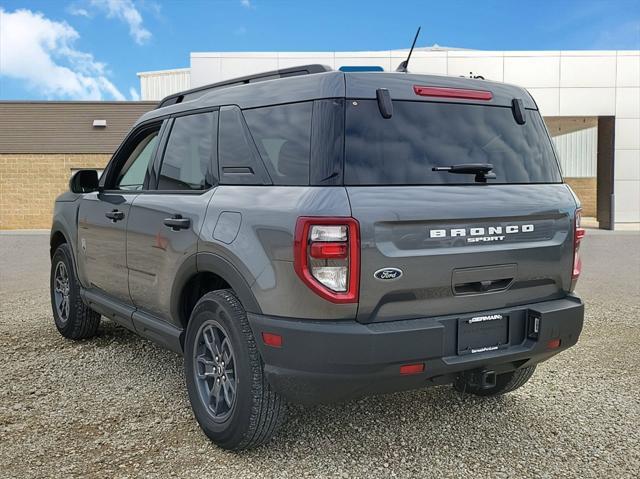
pixel 437 243
pixel 103 215
pixel 164 223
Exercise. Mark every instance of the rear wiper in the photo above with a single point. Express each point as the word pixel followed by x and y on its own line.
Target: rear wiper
pixel 481 170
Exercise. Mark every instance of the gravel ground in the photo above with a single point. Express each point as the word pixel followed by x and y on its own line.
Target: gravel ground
pixel 117 405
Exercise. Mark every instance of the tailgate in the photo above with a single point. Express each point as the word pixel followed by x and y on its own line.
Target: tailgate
pixel 461 248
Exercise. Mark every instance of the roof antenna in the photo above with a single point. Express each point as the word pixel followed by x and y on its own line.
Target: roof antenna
pixel 403 66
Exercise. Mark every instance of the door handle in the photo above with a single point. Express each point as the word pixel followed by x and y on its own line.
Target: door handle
pixel 115 215
pixel 177 222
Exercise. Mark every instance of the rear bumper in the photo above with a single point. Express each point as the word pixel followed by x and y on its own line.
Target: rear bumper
pixel 324 361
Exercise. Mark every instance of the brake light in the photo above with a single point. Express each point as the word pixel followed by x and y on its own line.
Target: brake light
pixel 579 233
pixel 329 250
pixel 443 92
pixel 327 257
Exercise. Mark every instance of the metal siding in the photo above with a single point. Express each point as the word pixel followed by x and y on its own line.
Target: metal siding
pixel 156 86
pixel 578 152
pixel 66 127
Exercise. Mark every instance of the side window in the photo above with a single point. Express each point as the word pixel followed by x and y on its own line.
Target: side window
pixel 282 134
pixel 240 163
pixel 188 156
pixel 132 173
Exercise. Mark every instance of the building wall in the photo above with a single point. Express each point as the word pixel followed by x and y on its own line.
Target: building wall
pixel 42 142
pixel 576 140
pixel 586 189
pixel 29 184
pixel 157 85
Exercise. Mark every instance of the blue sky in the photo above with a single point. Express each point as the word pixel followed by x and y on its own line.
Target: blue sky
pixel 92 49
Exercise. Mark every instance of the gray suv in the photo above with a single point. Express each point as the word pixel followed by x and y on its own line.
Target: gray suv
pixel 310 235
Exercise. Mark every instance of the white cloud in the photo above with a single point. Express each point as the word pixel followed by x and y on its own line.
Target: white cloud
pixel 41 52
pixel 127 12
pixel 133 93
pixel 78 11
pixel 246 3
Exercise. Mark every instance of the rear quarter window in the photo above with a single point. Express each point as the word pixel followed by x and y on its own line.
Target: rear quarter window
pixel 282 135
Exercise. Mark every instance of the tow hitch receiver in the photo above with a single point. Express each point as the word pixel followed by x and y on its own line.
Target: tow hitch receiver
pixel 483 379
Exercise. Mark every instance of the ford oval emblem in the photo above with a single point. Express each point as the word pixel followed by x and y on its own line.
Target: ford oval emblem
pixel 388 273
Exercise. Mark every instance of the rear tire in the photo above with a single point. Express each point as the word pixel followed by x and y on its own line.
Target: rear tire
pixel 73 318
pixel 505 383
pixel 230 396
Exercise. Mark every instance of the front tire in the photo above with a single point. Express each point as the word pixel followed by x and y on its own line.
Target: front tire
pixel 73 318
pixel 505 383
pixel 230 397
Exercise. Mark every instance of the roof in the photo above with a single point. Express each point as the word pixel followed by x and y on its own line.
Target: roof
pixel 66 126
pixel 337 84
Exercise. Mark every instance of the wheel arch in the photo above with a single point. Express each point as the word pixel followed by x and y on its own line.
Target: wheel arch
pixel 204 272
pixel 58 237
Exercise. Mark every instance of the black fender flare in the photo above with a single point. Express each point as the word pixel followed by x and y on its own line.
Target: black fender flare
pixel 212 263
pixel 59 227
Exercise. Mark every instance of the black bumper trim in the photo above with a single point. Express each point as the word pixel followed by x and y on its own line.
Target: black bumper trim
pixel 324 361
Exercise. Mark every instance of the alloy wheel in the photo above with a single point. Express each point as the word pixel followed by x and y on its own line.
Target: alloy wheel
pixel 214 368
pixel 61 291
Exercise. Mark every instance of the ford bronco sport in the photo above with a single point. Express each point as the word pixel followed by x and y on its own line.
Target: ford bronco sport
pixel 310 235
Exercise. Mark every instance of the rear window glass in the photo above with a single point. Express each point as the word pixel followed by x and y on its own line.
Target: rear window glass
pixel 282 134
pixel 403 150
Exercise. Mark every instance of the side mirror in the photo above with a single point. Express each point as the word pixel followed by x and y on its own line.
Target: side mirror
pixel 84 181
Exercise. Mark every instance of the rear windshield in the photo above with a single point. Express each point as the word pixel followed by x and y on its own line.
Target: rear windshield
pixel 403 149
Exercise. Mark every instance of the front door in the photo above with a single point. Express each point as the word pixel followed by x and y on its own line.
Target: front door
pixel 164 224
pixel 103 216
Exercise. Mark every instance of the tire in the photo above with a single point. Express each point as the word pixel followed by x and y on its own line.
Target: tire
pixel 72 317
pixel 505 383
pixel 251 415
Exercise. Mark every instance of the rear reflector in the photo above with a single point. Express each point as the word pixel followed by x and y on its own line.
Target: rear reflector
pixel 442 92
pixel 553 344
pixel 579 234
pixel 407 369
pixel 271 339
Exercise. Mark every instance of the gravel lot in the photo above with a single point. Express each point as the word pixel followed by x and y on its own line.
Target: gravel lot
pixel 117 405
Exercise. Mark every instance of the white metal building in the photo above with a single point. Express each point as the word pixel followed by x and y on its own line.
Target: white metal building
pixel 588 98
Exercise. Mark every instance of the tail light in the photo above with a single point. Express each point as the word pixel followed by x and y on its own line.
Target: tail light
pixel 579 233
pixel 327 257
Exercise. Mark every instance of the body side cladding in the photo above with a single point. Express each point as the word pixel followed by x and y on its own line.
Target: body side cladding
pixel 209 262
pixel 58 227
pixel 141 323
pixel 187 270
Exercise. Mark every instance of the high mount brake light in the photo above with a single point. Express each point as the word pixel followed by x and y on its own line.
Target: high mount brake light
pixel 327 257
pixel 444 92
pixel 579 233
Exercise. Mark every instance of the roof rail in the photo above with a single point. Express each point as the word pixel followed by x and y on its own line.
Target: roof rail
pixel 257 77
